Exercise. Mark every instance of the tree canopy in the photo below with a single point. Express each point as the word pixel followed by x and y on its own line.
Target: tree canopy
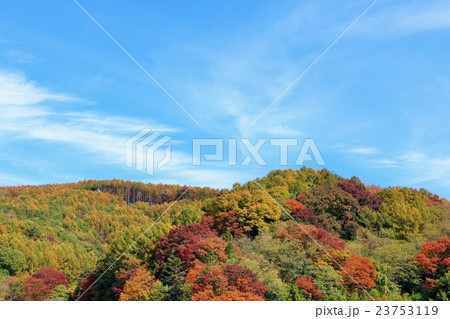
pixel 309 235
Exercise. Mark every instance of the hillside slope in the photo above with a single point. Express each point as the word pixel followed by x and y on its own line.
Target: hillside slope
pixel 292 235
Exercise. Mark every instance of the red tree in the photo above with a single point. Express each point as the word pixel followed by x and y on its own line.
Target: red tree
pixel 434 257
pixel 184 241
pixel 208 280
pixel 86 284
pixel 362 272
pixel 323 237
pixel 302 213
pixel 306 285
pixel 230 282
pixel 223 221
pixel 434 260
pixel 41 284
pixel 365 198
pixel 245 280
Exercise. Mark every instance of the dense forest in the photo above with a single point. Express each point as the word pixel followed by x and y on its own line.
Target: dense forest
pixel 292 235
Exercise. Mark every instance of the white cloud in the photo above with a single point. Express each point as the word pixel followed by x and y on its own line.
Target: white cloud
pixel 424 168
pixel 22 116
pixel 385 163
pixel 18 56
pixel 417 167
pixel 357 150
pixel 363 150
pixel 16 89
pixel 407 18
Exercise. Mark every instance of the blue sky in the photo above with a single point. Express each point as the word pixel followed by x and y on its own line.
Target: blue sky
pixel 377 104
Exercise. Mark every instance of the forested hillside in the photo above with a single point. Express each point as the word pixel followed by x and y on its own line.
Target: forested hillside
pixel 317 236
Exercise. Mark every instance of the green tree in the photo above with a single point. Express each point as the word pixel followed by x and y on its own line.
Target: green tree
pixel 329 282
pixel 12 260
pixel 60 293
pixel 172 276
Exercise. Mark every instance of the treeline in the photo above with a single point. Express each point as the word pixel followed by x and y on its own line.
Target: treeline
pixel 132 192
pixel 322 238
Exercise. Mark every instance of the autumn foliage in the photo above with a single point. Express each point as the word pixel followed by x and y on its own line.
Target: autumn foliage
pixel 364 196
pixel 42 283
pixel 72 241
pixel 306 234
pixel 306 285
pixel 185 241
pixel 224 221
pixel 138 286
pixel 434 257
pixel 229 282
pixel 358 274
pixel 302 213
pixel 434 261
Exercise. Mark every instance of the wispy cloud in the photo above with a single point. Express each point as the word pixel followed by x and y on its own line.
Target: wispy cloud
pixel 23 116
pixel 245 76
pixel 416 168
pixel 407 17
pixel 384 163
pixel 16 89
pixel 20 57
pixel 362 150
